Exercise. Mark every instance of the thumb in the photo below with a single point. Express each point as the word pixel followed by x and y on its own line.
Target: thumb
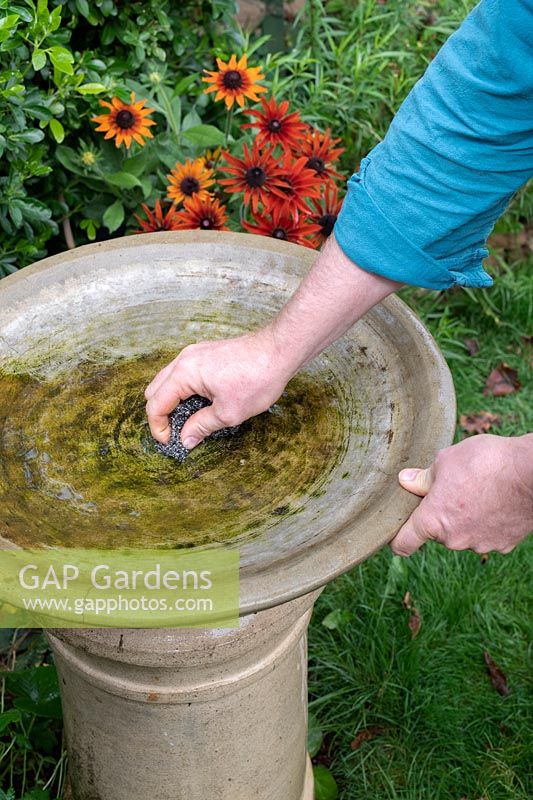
pixel 199 426
pixel 417 481
pixel 411 536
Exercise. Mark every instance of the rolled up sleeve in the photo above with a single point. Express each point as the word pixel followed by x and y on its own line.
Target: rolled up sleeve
pixel 425 199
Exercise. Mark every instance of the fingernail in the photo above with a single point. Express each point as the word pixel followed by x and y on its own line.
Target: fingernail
pixel 190 442
pixel 408 474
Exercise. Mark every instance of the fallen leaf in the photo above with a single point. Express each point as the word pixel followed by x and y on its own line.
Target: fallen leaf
pixel 366 736
pixel 484 558
pixel 480 422
pixel 497 677
pixel 414 623
pixel 501 381
pixel 472 345
pixel 407 601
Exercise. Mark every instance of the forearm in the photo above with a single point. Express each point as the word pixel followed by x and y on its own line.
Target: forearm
pixel 330 299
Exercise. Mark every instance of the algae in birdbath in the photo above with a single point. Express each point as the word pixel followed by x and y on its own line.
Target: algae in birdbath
pixel 78 466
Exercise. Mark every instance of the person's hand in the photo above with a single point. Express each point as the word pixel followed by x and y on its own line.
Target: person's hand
pixel 478 495
pixel 242 377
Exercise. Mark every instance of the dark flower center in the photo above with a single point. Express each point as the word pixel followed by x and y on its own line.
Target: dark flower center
pixel 279 233
pixel 316 163
pixel 125 119
pixel 327 222
pixel 287 187
pixel 232 79
pixel 206 223
pixel 189 186
pixel 255 177
pixel 274 125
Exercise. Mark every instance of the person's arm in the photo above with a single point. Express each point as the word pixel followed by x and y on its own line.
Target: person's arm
pixel 245 375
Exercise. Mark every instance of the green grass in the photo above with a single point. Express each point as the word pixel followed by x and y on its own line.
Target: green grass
pixel 447 732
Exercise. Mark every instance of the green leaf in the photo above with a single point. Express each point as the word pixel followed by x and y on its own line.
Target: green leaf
pixel 83 7
pixel 62 59
pixel 33 211
pixel 37 794
pixel 8 717
pixel 40 112
pixel 55 19
pixel 58 131
pixel 191 120
pixel 397 575
pixel 184 84
pixel 124 180
pixel 114 216
pixel 92 88
pixel 147 187
pixel 7 25
pixel 325 784
pixel 32 136
pixel 69 159
pixel 38 59
pixel 42 10
pixel 204 135
pixel 24 13
pixel 315 736
pixel 334 619
pixel 36 691
pixel 8 22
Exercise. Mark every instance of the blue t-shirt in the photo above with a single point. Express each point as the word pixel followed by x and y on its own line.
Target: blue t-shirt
pixel 426 198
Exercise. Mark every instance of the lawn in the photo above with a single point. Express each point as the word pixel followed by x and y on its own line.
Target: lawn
pixel 409 717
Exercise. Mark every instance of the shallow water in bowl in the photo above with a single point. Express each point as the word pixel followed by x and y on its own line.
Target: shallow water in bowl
pixel 78 466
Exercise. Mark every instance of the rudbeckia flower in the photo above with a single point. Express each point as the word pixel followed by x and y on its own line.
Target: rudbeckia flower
pixel 158 220
pixel 326 211
pixel 319 149
pixel 234 81
pixel 205 215
pixel 125 121
pixel 189 179
pixel 254 174
pixel 297 184
pixel 276 125
pixel 279 223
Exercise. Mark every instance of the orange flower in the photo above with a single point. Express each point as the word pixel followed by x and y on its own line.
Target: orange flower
pixel 276 126
pixel 298 183
pixel 254 174
pixel 125 121
pixel 206 215
pixel 327 210
pixel 158 220
pixel 191 178
pixel 211 157
pixel 321 153
pixel 281 224
pixel 234 81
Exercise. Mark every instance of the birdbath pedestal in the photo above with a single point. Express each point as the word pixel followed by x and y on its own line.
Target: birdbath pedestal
pixel 203 714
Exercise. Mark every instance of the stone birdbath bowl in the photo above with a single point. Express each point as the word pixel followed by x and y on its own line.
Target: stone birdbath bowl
pixel 305 492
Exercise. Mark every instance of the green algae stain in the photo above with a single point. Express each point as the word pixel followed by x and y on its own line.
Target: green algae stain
pixel 78 465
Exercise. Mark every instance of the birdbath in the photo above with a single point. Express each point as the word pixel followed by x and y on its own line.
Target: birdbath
pixel 305 492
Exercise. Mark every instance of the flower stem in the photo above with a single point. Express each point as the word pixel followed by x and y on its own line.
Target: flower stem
pixel 229 120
